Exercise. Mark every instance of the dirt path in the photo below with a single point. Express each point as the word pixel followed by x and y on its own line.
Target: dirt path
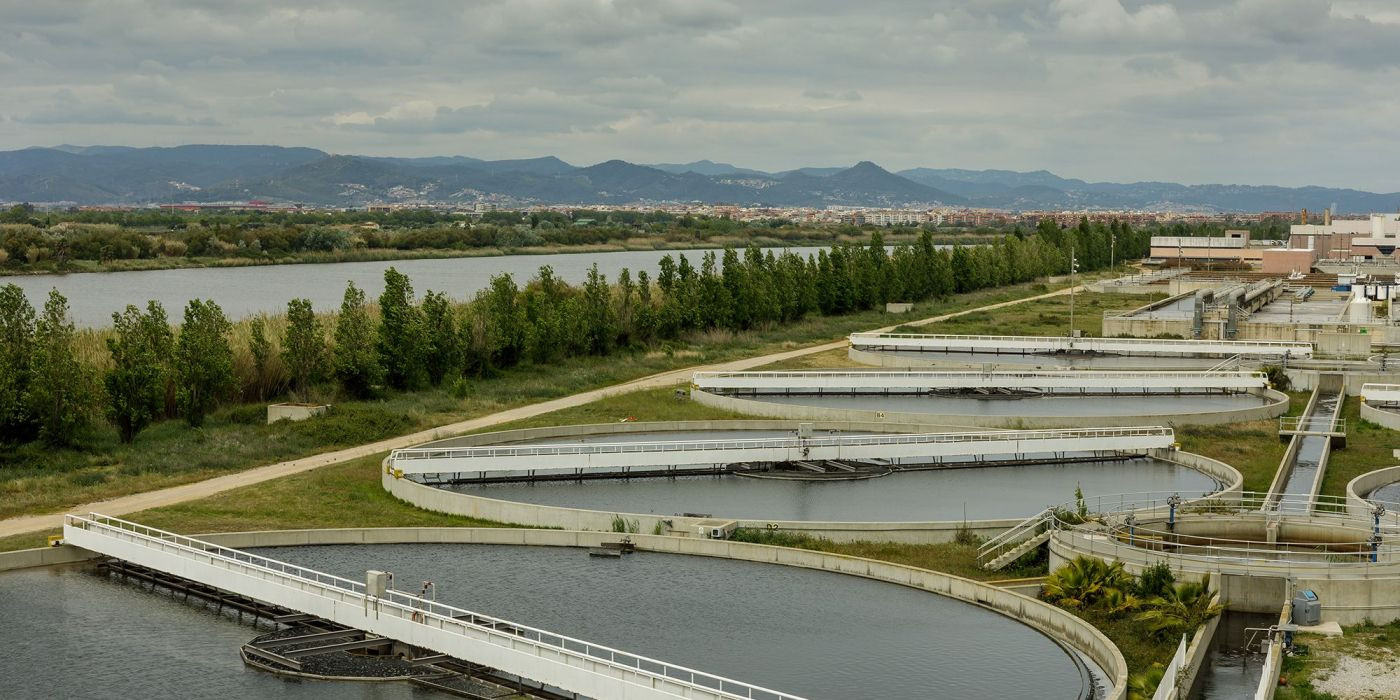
pixel 209 487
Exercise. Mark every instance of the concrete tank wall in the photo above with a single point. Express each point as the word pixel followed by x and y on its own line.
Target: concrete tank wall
pixel 1351 593
pixel 953 423
pixel 1357 489
pixel 535 515
pixel 1380 416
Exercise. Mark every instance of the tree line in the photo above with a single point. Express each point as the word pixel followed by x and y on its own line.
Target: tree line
pixel 408 342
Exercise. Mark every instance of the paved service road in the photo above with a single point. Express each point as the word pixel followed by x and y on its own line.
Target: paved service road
pixel 209 487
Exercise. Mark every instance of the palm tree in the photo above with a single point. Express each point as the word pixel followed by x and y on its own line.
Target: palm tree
pixel 1082 581
pixel 1181 608
pixel 1116 601
pixel 1142 686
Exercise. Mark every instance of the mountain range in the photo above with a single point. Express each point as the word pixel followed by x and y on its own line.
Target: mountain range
pixel 214 173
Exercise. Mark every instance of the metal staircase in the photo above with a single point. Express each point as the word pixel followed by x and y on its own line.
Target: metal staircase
pixel 1011 545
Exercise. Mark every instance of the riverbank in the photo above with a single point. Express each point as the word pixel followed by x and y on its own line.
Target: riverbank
pixel 51 267
pixel 169 455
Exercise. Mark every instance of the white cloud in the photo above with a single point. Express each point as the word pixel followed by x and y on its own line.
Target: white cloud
pixel 1193 90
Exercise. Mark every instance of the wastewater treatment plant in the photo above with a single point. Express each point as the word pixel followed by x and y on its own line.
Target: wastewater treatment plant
pixel 909 514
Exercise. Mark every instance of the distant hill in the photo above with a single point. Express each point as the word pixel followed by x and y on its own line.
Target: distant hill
pixel 705 167
pixel 205 173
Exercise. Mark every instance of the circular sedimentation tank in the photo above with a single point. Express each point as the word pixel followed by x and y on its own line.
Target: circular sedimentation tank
pixel 915 501
pixel 1329 545
pixel 812 633
pixel 989 490
pixel 1048 361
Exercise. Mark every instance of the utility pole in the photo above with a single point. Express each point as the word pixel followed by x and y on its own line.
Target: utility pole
pixel 1073 268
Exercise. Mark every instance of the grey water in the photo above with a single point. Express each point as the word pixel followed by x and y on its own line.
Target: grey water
pixel 1069 406
pixel 975 493
pixel 69 633
pixel 246 291
pixel 815 634
pixel 1388 494
pixel 1233 666
pixel 1308 459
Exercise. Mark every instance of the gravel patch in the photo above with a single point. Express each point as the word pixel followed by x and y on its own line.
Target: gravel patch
pixel 1355 678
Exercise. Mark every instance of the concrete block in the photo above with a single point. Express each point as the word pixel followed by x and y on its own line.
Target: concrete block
pixel 295 411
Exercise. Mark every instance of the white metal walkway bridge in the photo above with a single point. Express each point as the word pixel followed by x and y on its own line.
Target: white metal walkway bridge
pixel 916 381
pixel 577 666
pixel 594 456
pixel 1381 394
pixel 1016 344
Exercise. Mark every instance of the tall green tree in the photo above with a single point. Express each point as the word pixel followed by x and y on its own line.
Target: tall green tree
pixel 16 349
pixel 355 359
pixel 60 386
pixel 135 383
pixel 400 333
pixel 261 349
pixel 304 347
pixel 441 341
pixel 599 316
pixel 203 361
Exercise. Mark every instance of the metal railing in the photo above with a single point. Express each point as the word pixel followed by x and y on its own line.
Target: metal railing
pixel 1183 345
pixel 1214 372
pixel 1380 395
pixel 1011 538
pixel 1312 424
pixel 423 611
pixel 487 451
pixel 1132 522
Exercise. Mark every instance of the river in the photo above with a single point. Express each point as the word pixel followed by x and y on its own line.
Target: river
pixel 245 291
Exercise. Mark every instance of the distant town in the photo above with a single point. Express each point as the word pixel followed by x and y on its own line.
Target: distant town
pixel 856 216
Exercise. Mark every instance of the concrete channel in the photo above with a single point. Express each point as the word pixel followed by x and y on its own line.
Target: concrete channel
pixel 1311 439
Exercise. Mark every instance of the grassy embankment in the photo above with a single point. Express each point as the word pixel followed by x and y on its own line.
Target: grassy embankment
pixel 34 479
pixel 1040 317
pixel 1369 447
pixel 636 243
pixel 349 494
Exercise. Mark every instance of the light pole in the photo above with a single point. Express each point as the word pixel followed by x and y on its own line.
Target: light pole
pixel 1073 268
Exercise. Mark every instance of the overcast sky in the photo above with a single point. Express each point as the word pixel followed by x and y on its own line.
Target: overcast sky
pixel 1287 92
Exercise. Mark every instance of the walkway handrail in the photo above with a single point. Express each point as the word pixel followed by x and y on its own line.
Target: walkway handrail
pixel 1380 394
pixel 445 617
pixel 487 451
pixel 1213 373
pixel 1316 424
pixel 1158 503
pixel 1175 345
pixel 1010 538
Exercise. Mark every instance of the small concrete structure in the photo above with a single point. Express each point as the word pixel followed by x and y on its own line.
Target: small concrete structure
pixel 295 411
pixel 1256 557
pixel 898 307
